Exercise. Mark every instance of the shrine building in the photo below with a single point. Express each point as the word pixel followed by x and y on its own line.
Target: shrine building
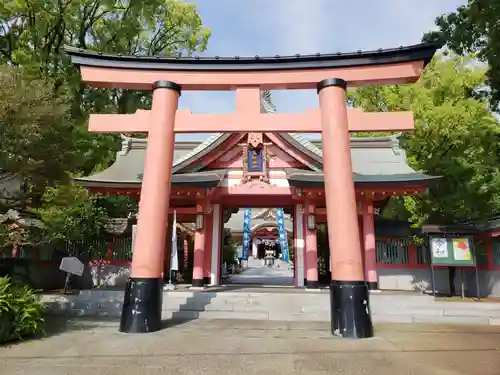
pixel 258 159
pixel 215 180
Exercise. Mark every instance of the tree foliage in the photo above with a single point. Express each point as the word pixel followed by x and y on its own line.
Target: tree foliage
pixel 36 132
pixel 44 106
pixel 228 247
pixel 70 213
pixel 456 137
pixel 33 34
pixel 474 28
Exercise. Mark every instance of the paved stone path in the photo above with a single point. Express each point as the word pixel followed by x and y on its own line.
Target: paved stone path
pixel 257 274
pixel 198 347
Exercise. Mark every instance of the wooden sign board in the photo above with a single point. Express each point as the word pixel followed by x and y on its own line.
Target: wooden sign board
pixel 72 265
pixel 452 251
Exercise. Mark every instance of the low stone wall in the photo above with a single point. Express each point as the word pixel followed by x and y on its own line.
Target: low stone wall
pixel 39 275
pixel 296 306
pixel 46 275
pixel 109 275
pixel 420 279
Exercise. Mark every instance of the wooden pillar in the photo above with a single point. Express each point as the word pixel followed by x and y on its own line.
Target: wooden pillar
pixel 199 247
pixel 217 229
pixel 369 245
pixel 207 262
pixel 142 302
pixel 488 247
pixel 311 248
pixel 350 316
pixel 298 244
pixel 412 255
pixel 168 249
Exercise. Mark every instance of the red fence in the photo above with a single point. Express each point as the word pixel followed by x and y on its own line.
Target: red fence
pixel 391 252
pixel 401 253
pixel 112 250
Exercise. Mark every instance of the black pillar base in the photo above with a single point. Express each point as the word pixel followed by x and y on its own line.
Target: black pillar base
pixel 198 283
pixel 372 285
pixel 305 282
pixel 350 309
pixel 207 280
pixel 142 303
pixel 312 284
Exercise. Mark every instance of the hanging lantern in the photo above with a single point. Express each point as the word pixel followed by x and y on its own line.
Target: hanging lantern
pixel 199 221
pixel 311 222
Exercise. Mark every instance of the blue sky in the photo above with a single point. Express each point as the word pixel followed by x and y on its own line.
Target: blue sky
pixel 287 27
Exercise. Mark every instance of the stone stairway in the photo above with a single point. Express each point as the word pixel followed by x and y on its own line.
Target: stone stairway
pixel 288 305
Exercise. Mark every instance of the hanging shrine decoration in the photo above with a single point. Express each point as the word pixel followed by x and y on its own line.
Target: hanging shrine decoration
pixel 186 253
pixel 255 158
pixel 280 221
pixel 247 222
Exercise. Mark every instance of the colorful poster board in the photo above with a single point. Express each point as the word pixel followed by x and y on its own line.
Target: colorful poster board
pixel 452 251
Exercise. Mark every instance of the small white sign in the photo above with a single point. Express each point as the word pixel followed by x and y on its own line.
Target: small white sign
pixel 72 265
pixel 439 247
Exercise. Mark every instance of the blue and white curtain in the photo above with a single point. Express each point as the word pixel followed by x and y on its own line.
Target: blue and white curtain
pixel 247 227
pixel 280 221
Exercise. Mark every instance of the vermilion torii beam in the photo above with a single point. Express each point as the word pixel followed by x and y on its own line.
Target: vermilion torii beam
pixel 361 68
pixel 307 122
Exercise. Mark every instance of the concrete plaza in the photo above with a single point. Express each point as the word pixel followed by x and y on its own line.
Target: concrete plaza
pixel 82 347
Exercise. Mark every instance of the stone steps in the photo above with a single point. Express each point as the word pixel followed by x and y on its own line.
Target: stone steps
pixel 296 306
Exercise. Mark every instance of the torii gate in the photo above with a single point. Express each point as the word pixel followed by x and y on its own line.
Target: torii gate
pixel 329 74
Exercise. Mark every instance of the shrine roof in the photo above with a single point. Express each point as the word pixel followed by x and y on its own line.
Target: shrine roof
pixel 301 178
pixel 375 160
pixel 418 52
pixel 127 170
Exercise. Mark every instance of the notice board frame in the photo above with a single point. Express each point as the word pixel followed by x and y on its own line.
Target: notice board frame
pixel 450 233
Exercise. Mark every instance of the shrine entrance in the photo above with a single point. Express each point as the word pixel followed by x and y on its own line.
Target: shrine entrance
pixel 263 239
pixel 330 75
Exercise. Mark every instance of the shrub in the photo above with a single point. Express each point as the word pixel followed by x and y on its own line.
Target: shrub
pixel 20 311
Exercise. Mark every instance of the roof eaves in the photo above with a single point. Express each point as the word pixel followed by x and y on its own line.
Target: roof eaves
pixel 197 152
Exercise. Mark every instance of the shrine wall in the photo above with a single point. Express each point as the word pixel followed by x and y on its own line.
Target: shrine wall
pixel 113 274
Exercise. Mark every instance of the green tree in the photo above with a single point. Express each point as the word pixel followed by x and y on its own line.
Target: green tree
pixel 37 137
pixel 34 32
pixel 70 213
pixel 456 137
pixel 44 106
pixel 228 247
pixel 474 28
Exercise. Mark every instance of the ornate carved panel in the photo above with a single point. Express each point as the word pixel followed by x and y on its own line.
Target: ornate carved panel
pixel 255 140
pixel 255 159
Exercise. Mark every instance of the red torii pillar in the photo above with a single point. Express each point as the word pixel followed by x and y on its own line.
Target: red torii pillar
pixel 350 315
pixel 142 302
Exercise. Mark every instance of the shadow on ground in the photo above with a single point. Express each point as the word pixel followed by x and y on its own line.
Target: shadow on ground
pixel 55 325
